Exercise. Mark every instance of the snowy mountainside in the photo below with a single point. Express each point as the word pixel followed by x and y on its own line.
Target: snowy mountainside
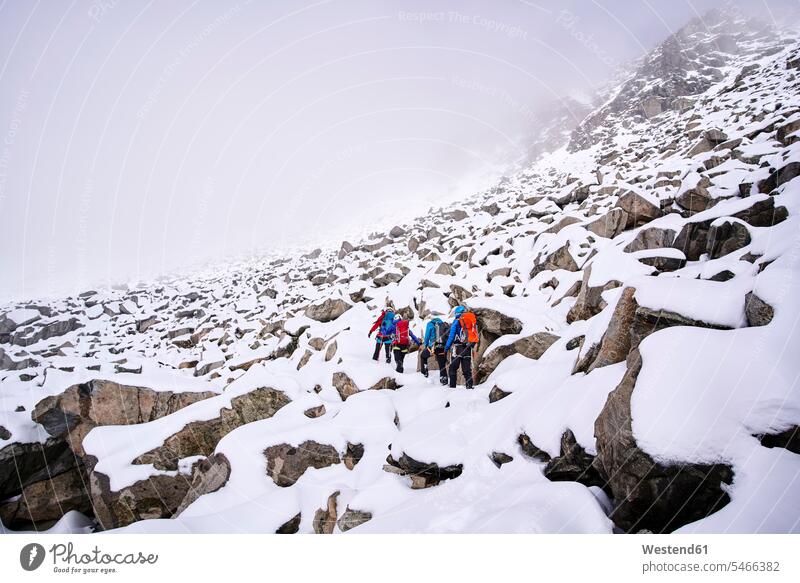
pixel 685 65
pixel 637 300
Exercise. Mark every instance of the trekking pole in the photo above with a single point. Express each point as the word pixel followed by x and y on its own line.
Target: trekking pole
pixel 475 359
pixel 475 364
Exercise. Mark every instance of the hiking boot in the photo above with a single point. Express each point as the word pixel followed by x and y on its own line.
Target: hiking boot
pixel 443 381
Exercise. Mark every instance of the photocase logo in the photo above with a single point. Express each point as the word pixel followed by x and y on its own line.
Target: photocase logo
pixel 31 556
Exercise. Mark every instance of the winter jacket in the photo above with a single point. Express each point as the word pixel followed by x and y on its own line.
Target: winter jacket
pixel 384 332
pixel 430 332
pixel 455 330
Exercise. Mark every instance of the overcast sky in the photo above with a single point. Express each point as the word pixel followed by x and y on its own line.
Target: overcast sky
pixel 143 137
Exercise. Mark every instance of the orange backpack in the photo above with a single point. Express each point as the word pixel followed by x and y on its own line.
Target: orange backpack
pixel 469 327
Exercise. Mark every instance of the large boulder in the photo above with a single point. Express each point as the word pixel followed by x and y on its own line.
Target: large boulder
pixel 158 496
pixel 35 333
pixel 82 407
pixel 573 464
pixel 286 463
pixel 496 322
pixel 630 324
pixel 616 341
pixel 328 310
pixel 561 258
pixel 42 504
pixel 12 320
pixel 692 239
pixel 445 269
pixel 695 199
pixel 610 224
pixel 372 247
pixel 651 238
pixel 757 311
pixel 386 278
pixel 646 494
pixel 344 385
pixel 10 361
pixel 201 437
pixel 533 346
pixel 423 475
pixel 23 464
pixel 726 237
pixel 345 249
pixel 779 177
pixel 352 518
pixel 144 324
pixel 763 213
pixel 208 475
pixel 590 298
pixel 325 518
pixel 639 210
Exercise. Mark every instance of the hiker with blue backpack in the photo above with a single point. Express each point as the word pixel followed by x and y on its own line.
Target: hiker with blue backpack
pixel 385 327
pixel 436 334
pixel 463 339
pixel 401 341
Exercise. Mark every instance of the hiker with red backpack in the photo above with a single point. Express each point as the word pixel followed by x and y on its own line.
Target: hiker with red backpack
pixel 463 339
pixel 402 340
pixel 436 334
pixel 385 327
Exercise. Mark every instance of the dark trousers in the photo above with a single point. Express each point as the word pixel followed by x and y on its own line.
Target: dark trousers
pixel 377 353
pixel 462 356
pixel 441 359
pixel 400 351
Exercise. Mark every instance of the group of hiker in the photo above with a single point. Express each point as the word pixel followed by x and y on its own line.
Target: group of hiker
pixel 440 338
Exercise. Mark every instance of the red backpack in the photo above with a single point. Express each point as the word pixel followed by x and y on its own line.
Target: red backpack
pixel 469 327
pixel 401 333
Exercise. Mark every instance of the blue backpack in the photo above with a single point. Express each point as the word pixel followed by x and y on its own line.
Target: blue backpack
pixel 387 325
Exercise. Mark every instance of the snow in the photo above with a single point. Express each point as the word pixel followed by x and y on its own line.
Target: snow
pixel 703 395
pixel 696 299
pixel 23 316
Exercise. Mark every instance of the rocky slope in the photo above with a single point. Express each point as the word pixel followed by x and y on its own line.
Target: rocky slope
pixel 638 299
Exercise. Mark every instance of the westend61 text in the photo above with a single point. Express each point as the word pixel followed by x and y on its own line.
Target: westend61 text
pixel 675 549
pixel 64 554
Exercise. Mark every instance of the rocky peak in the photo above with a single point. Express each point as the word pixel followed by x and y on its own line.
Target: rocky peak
pixel 684 65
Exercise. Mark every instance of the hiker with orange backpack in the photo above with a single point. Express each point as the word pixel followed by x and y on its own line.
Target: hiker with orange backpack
pixel 402 340
pixel 385 327
pixel 463 338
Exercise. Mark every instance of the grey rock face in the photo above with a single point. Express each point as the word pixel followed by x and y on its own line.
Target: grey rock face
pixel 23 464
pixel 758 312
pixel 80 408
pixel 725 238
pixel 353 518
pixel 651 238
pixel 208 475
pixel 639 210
pixel 424 475
pixel 328 310
pixel 202 437
pixel 648 495
pixel 286 463
pixel 609 225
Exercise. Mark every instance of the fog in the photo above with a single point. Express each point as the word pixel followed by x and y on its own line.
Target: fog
pixel 142 138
